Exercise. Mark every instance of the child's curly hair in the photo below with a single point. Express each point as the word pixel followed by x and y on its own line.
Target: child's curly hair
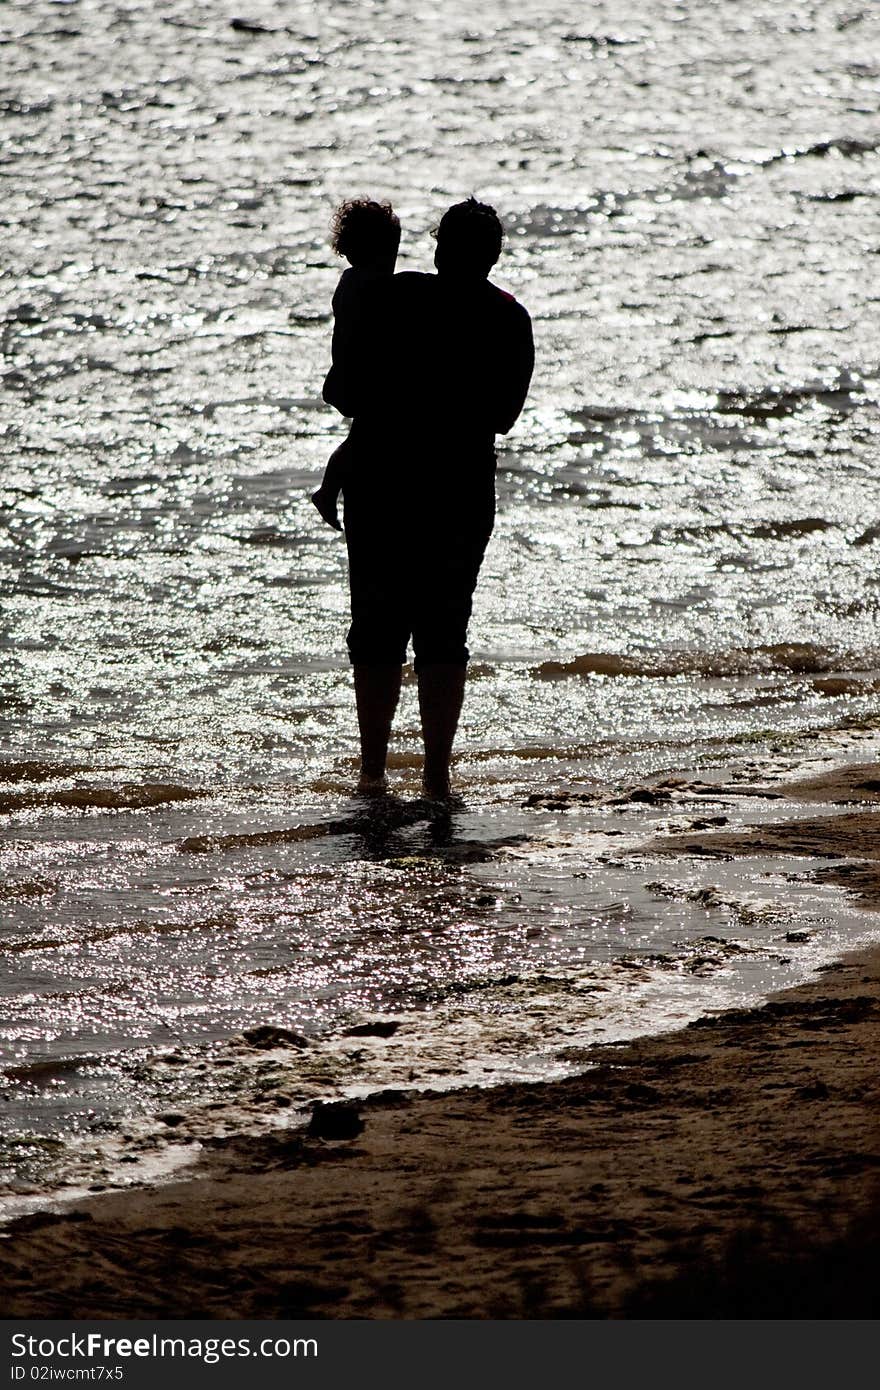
pixel 363 230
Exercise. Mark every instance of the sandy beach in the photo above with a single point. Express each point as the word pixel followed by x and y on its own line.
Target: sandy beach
pixel 729 1169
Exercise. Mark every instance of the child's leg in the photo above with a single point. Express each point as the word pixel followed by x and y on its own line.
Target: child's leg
pixel 335 473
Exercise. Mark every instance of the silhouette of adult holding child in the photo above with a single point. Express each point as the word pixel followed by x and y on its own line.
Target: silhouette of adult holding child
pixel 430 367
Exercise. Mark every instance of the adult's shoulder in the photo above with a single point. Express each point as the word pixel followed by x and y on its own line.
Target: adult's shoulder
pixel 412 285
pixel 507 304
pixel 509 316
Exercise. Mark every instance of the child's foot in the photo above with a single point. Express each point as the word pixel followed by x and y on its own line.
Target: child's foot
pixel 326 505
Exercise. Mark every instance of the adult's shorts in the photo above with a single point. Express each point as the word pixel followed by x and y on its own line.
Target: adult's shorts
pixel 411 585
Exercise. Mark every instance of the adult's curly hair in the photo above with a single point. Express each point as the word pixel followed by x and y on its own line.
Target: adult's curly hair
pixel 362 230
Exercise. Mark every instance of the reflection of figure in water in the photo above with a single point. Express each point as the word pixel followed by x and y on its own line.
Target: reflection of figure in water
pixel 367 234
pixel 434 367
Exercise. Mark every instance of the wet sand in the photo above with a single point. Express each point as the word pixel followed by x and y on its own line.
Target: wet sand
pixel 850 835
pixel 731 1169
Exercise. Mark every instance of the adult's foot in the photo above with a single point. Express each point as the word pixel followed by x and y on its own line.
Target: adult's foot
pixel 442 801
pixel 377 689
pixel 436 790
pixel 441 692
pixel 371 786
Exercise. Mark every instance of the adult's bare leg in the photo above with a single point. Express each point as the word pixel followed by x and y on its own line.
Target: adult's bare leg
pixel 376 691
pixel 441 694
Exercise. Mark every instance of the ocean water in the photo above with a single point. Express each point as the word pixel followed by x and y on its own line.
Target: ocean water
pixel 683 578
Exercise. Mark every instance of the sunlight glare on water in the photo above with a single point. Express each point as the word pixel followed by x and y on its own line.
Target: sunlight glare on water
pixel 683 570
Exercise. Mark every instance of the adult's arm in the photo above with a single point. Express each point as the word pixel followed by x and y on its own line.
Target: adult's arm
pixel 516 363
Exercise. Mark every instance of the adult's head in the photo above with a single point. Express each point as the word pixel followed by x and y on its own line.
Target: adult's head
pixel 469 240
pixel 366 233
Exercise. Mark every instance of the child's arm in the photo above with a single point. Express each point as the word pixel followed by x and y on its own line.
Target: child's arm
pixel 346 382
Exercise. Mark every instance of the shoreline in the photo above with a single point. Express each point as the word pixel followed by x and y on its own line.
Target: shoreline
pixel 730 1168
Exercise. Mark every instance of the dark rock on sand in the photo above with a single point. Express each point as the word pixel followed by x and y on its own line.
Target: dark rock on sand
pixel 649 796
pixel 249 26
pixel 378 1029
pixel 335 1120
pixel 267 1035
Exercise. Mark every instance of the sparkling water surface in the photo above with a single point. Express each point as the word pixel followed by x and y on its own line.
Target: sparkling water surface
pixel 683 574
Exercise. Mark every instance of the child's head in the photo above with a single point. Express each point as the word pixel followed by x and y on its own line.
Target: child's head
pixel 366 233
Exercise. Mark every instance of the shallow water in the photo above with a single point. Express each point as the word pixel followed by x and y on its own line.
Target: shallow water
pixel 683 574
